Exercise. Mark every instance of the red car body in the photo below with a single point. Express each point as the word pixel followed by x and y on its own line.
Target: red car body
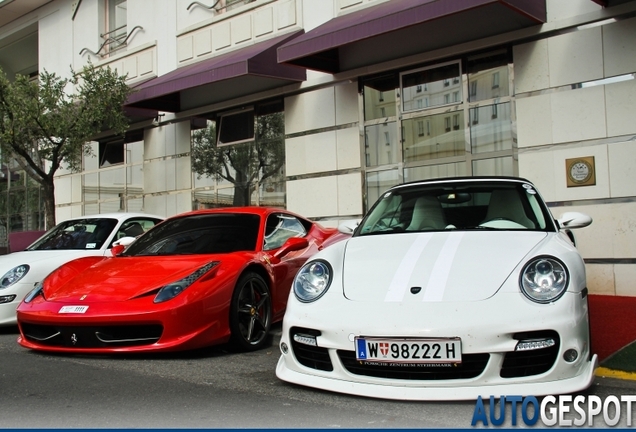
pixel 110 304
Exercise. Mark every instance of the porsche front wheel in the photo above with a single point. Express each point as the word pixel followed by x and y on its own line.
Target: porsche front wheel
pixel 250 313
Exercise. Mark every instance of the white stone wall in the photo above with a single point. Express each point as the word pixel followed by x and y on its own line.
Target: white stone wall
pixel 556 122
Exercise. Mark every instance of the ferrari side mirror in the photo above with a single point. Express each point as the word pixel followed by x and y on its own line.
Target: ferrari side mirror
pixel 292 244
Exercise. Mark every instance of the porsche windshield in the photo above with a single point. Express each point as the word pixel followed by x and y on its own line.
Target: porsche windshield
pixel 76 234
pixel 458 206
pixel 199 234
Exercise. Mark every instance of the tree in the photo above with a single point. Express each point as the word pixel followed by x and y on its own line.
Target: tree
pixel 49 122
pixel 244 165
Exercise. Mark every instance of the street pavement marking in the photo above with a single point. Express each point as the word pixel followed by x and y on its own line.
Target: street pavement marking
pixel 612 373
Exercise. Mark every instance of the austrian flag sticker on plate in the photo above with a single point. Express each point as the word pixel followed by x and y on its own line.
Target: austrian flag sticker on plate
pixel 73 309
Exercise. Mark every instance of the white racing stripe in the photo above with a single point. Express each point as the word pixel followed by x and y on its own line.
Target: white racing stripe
pixel 439 276
pixel 402 275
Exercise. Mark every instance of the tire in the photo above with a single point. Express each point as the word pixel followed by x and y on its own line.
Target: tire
pixel 250 313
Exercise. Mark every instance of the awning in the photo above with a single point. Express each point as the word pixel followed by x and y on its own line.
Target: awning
pixel 238 73
pixel 399 28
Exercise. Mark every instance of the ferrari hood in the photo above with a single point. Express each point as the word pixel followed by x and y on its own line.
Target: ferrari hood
pixel 123 278
pixel 440 266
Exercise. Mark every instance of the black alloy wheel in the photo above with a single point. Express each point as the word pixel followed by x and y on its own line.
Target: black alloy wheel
pixel 250 313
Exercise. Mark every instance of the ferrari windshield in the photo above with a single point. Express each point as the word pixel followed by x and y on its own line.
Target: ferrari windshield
pixel 90 233
pixel 468 205
pixel 199 234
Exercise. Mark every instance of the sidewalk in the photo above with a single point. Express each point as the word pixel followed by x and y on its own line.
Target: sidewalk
pixel 613 327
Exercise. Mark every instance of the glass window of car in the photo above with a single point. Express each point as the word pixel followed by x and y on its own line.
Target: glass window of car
pixel 77 234
pixel 199 234
pixel 135 227
pixel 457 206
pixel 279 228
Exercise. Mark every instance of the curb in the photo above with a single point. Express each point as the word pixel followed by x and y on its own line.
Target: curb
pixel 613 373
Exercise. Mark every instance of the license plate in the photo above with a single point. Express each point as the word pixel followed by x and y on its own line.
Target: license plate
pixel 437 350
pixel 73 309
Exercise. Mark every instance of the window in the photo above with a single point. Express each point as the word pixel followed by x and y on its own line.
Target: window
pixel 439 132
pixel 495 80
pixel 116 25
pixel 434 79
pixel 236 127
pixel 473 90
pixel 281 227
pixel 111 153
pixel 237 170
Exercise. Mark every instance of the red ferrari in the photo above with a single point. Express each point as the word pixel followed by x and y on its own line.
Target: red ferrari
pixel 197 279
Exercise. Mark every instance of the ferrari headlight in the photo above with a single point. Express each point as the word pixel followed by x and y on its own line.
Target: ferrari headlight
pixel 173 289
pixel 312 281
pixel 544 279
pixel 36 291
pixel 14 275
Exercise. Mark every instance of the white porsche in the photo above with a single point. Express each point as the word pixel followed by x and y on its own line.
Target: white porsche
pixel 448 289
pixel 68 240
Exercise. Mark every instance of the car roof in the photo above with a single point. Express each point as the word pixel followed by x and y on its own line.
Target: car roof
pixel 118 216
pixel 257 210
pixel 475 179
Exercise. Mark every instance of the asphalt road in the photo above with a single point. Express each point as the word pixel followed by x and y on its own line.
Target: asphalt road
pixel 212 388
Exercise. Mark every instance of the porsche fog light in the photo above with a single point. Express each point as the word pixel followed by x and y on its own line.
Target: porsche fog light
pixel 14 275
pixel 284 348
pixel 312 281
pixel 570 355
pixel 7 298
pixel 544 279
pixel 36 291
pixel 173 289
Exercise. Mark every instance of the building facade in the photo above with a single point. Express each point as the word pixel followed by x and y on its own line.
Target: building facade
pixel 320 105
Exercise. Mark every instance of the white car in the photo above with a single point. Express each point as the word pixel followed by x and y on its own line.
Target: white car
pixel 449 289
pixel 68 240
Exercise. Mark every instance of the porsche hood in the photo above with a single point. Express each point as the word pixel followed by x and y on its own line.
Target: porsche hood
pixel 120 279
pixel 440 266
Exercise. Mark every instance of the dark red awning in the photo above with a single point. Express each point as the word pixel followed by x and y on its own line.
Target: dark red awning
pixel 238 73
pixel 399 28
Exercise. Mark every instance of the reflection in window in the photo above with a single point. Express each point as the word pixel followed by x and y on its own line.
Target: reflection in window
pixel 436 81
pixel 381 144
pixel 496 166
pixel 379 97
pixel 378 182
pixel 485 73
pixel 249 173
pixel 111 153
pixel 494 132
pixel 443 141
pixel 435 171
pixel 279 228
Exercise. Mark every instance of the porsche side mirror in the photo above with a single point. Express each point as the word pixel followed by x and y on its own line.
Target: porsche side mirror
pixel 124 241
pixel 349 226
pixel 571 220
pixel 292 244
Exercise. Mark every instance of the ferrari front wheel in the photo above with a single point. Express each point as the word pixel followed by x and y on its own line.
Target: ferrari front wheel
pixel 250 313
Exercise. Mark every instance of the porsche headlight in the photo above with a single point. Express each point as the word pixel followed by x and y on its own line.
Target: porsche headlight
pixel 36 291
pixel 14 275
pixel 312 281
pixel 544 279
pixel 173 289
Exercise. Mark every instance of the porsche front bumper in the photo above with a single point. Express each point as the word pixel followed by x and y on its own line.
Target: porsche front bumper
pixel 489 331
